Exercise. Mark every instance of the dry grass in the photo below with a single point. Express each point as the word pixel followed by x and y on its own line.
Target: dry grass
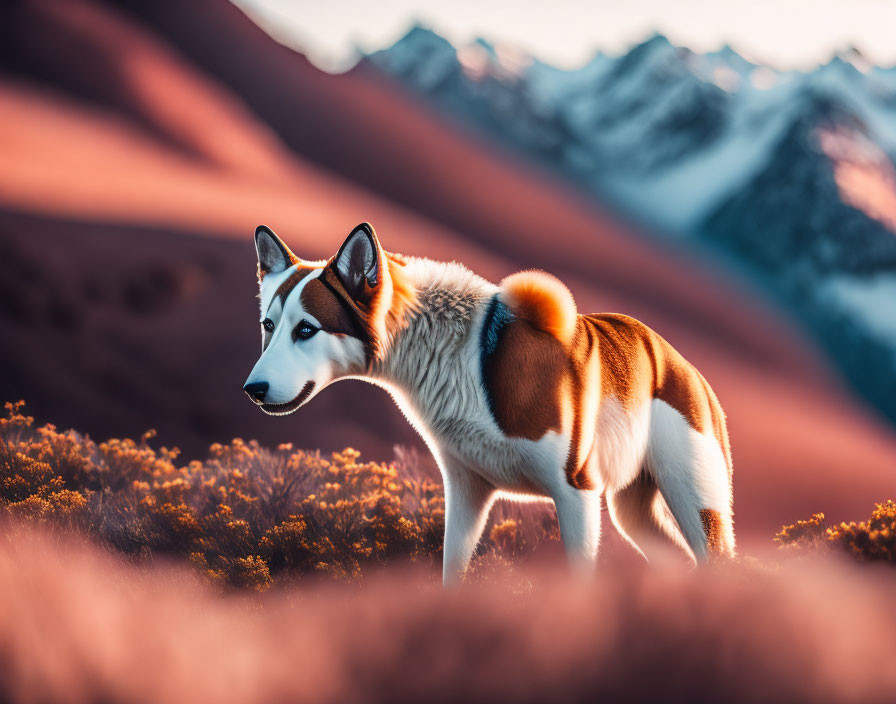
pixel 868 541
pixel 246 516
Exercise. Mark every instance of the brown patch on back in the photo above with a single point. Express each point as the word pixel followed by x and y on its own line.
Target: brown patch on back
pixel 711 521
pixel 637 364
pixel 580 356
pixel 626 366
pixel 525 377
pixel 529 377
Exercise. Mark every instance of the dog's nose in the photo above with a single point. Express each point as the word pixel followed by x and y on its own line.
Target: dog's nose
pixel 256 391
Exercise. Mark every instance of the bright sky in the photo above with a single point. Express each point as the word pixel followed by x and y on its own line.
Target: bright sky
pixel 786 33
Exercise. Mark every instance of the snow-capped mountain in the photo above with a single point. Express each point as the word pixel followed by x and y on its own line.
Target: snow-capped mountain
pixel 791 173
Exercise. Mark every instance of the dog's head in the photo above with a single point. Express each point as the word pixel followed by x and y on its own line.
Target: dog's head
pixel 320 321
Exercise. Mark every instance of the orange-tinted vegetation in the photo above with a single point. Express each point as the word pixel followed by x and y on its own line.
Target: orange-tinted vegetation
pixel 874 539
pixel 246 516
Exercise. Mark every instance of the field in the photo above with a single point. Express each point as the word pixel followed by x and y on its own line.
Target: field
pixel 128 577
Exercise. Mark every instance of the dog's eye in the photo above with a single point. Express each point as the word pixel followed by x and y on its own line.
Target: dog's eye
pixel 303 331
pixel 268 324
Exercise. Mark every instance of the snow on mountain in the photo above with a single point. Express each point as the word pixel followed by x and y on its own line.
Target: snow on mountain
pixel 791 173
pixel 625 126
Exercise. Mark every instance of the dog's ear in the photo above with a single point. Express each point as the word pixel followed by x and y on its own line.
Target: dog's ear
pixel 273 255
pixel 357 264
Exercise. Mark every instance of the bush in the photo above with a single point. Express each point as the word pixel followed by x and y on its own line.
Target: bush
pixel 874 539
pixel 246 516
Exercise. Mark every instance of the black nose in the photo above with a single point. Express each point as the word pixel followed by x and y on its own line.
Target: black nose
pixel 256 391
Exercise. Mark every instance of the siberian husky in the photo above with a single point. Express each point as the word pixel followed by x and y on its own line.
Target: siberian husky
pixel 514 392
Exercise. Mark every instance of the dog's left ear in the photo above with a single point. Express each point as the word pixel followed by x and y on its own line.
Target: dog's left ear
pixel 357 264
pixel 273 254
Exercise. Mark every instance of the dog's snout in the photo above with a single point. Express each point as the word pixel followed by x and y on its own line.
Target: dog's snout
pixel 256 391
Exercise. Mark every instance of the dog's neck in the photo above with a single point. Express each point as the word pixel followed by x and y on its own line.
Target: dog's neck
pixel 426 365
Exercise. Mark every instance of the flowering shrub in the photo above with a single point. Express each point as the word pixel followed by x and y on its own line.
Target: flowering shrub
pixel 874 539
pixel 246 516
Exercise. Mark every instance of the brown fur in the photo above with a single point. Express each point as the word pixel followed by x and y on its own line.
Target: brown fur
pixel 581 356
pixel 284 289
pixel 339 312
pixel 638 364
pixel 404 295
pixel 526 377
pixel 712 528
pixel 531 375
pixel 329 310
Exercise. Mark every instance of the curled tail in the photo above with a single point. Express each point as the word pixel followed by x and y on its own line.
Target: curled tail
pixel 543 301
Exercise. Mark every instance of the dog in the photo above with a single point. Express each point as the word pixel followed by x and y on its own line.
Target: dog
pixel 513 391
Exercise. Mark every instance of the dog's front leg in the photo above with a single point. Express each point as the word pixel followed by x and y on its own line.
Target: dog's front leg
pixel 468 498
pixel 578 513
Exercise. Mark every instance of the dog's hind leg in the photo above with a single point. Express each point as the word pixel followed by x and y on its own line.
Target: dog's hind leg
pixel 692 475
pixel 468 498
pixel 641 516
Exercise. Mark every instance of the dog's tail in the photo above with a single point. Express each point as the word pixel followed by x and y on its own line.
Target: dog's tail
pixel 543 301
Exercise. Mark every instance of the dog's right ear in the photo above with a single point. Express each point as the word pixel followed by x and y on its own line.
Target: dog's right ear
pixel 273 255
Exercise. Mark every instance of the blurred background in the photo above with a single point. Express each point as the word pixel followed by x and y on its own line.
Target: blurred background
pixel 730 185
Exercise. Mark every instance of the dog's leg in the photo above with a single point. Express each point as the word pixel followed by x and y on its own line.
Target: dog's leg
pixel 578 513
pixel 690 471
pixel 641 516
pixel 468 498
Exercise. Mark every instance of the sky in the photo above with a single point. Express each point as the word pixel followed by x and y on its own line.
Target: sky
pixel 783 33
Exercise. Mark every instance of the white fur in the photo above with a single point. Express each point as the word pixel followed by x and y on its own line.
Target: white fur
pixel 432 369
pixel 287 365
pixel 691 473
pixel 621 442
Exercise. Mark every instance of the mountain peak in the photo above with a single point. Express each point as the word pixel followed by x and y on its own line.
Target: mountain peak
pixel 420 52
pixel 420 34
pixel 853 57
pixel 732 58
pixel 655 39
pixel 654 43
